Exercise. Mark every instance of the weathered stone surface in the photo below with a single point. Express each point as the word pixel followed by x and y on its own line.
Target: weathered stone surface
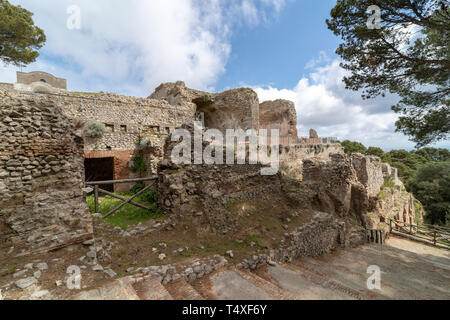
pixel 313 134
pixel 41 203
pixel 176 93
pixel 25 283
pixel 281 115
pixel 42 266
pixel 232 109
pixel 369 172
pixel 120 289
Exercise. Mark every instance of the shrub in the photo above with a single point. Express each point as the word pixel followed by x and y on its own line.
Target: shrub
pixel 139 164
pixel 147 196
pixel 95 129
pixel 137 187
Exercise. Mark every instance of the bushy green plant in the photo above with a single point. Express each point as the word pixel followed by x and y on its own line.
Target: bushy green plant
pixel 137 187
pixel 95 129
pixel 139 164
pixel 147 196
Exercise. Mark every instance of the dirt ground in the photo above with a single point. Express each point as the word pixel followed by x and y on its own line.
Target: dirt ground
pixel 261 225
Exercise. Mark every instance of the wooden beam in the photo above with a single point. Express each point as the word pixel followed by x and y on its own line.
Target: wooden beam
pixel 128 201
pixel 96 198
pixel 93 183
pixel 124 199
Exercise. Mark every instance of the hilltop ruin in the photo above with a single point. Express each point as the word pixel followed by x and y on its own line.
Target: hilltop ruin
pixel 46 157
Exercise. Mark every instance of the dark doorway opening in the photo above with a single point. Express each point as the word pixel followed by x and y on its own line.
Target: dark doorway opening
pixel 100 169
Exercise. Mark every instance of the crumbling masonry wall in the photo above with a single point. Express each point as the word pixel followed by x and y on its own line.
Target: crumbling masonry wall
pixel 281 115
pixel 42 204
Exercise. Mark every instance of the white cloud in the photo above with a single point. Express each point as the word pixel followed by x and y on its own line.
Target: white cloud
pixel 323 103
pixel 132 46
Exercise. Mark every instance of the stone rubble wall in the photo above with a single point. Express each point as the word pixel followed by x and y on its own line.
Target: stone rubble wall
pixel 309 151
pixel 281 115
pixel 189 189
pixel 320 236
pixel 351 189
pixel 369 172
pixel 38 76
pixel 147 118
pixel 41 174
pixel 391 172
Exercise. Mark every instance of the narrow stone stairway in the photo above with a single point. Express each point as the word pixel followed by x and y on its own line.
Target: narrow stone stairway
pixel 279 283
pixel 407 270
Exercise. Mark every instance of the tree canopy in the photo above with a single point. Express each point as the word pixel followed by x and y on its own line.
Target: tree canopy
pixel 19 37
pixel 409 55
pixel 431 186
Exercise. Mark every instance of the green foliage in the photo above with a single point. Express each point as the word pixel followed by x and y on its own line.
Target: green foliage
pixel 431 186
pixel 414 65
pixel 147 196
pixel 19 37
pixel 353 147
pixel 139 164
pixel 129 215
pixel 137 187
pixel 95 129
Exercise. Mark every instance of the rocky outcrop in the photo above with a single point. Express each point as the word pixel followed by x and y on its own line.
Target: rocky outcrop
pixel 232 109
pixel 281 115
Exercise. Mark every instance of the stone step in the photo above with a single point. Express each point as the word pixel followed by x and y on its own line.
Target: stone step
pixel 228 284
pixel 152 289
pixel 268 286
pixel 181 290
pixel 120 289
pixel 311 285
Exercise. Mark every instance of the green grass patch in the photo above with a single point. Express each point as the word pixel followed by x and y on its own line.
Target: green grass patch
pixel 128 215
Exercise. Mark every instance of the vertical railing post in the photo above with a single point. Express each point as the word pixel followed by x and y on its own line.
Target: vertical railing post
pixel 96 198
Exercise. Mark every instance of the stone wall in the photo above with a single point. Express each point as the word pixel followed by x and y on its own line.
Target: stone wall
pixel 128 120
pixel 232 109
pixel 303 151
pixel 281 115
pixel 320 236
pixel 210 189
pixel 351 188
pixel 41 175
pixel 39 76
pixel 369 172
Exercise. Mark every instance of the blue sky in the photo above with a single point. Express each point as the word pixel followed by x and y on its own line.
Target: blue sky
pixel 278 52
pixel 280 48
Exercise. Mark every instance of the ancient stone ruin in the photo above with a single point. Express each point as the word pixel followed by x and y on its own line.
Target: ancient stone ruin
pixel 42 202
pixel 47 154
